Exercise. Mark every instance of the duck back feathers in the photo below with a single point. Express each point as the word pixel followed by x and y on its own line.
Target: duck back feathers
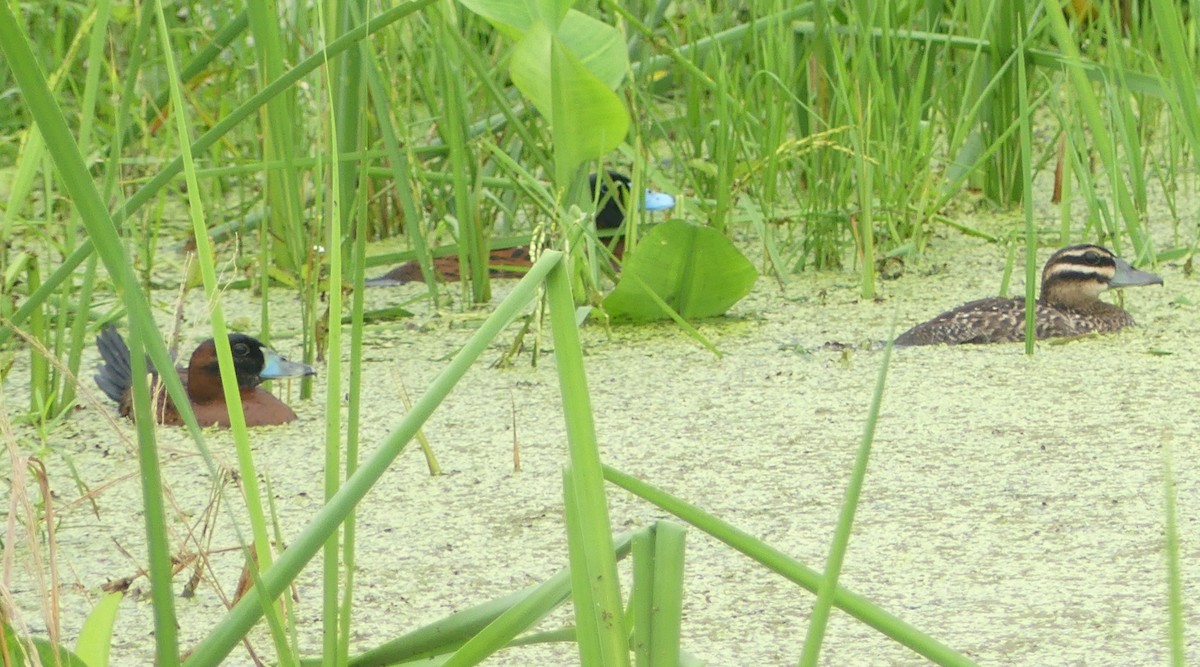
pixel 1069 304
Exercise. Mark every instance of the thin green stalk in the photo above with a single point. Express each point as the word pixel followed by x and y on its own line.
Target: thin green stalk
pixel 1025 144
pixel 724 146
pixel 39 367
pixel 589 636
pixel 641 597
pixel 229 383
pixel 827 590
pixel 166 639
pixel 168 173
pixel 591 526
pixel 221 640
pixel 333 650
pixel 1181 64
pixel 354 414
pixel 78 182
pixel 279 142
pixel 852 603
pixel 472 253
pixel 666 621
pixel 96 44
pixel 1102 140
pixel 1005 25
pixel 399 170
pixel 358 269
pixel 79 327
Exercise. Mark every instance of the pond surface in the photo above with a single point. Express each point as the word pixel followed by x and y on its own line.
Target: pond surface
pixel 1013 508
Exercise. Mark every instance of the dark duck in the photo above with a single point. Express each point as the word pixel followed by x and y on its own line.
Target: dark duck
pixel 1069 304
pixel 253 363
pixel 611 193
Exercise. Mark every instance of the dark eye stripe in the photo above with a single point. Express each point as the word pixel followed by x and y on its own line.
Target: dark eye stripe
pixel 1074 273
pixel 1091 256
pixel 1095 259
pixel 1084 262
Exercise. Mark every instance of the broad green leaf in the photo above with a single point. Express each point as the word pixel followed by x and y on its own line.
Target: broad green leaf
pixel 598 46
pixel 552 11
pixel 16 652
pixel 695 270
pixel 515 18
pixel 95 638
pixel 530 68
pixel 587 117
pixel 590 119
pixel 567 64
pixel 510 18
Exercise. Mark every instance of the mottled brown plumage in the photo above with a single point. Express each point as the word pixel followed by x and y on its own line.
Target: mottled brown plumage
pixel 1069 304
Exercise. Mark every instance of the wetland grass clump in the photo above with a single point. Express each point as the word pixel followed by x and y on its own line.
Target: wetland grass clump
pixel 822 137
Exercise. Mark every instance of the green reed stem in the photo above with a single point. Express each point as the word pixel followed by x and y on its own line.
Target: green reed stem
pixel 596 591
pixel 206 141
pixel 229 384
pixel 220 641
pixel 828 587
pixel 77 180
pixel 775 560
pixel 344 122
pixel 1025 145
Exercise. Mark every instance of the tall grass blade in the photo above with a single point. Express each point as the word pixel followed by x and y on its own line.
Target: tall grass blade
pixel 1102 139
pixel 779 562
pixel 229 383
pixel 166 640
pixel 1181 66
pixel 77 181
pixel 216 646
pixel 95 637
pixel 206 141
pixel 472 253
pixel 827 590
pixel 591 527
pixel 341 101
pixel 641 597
pixel 666 620
pixel 589 637
pixel 1025 144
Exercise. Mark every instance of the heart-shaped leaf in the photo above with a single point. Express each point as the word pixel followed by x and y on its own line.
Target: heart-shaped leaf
pixel 588 118
pixel 695 270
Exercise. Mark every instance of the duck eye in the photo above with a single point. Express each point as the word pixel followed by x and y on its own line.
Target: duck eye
pixel 1092 257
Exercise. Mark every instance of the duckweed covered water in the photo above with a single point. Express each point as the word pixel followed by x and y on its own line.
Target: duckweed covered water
pixel 1013 507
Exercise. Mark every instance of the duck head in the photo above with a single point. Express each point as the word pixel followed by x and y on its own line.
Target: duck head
pixel 610 190
pixel 253 363
pixel 1075 276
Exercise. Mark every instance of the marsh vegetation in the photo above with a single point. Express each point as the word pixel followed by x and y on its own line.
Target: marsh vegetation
pixel 671 492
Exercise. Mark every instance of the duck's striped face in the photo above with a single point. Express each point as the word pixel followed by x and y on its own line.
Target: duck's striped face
pixel 1075 276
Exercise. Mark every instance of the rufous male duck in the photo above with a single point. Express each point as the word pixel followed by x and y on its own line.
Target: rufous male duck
pixel 612 199
pixel 1069 304
pixel 253 363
